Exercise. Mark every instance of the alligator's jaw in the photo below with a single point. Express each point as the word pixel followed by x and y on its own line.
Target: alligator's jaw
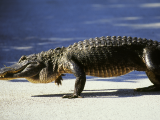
pixel 7 73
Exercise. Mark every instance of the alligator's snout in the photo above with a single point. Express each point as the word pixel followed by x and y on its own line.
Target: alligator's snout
pixel 7 73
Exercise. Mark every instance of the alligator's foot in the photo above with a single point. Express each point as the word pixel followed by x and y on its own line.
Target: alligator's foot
pixel 148 89
pixel 71 96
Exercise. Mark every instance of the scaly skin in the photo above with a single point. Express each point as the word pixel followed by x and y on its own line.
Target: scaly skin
pixel 102 57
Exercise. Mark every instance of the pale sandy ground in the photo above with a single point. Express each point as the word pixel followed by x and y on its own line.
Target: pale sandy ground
pixel 103 100
pixel 33 26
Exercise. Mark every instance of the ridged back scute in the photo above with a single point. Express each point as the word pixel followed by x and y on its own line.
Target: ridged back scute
pixel 113 41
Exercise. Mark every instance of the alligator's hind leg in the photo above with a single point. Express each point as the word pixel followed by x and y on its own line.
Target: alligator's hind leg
pixel 80 75
pixel 155 79
pixel 152 60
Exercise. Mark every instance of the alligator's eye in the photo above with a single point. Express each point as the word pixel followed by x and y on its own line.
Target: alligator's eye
pixel 22 58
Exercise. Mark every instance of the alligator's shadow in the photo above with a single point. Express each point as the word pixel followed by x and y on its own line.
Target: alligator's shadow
pixel 106 93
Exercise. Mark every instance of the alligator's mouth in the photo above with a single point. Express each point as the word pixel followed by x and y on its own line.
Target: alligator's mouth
pixel 8 73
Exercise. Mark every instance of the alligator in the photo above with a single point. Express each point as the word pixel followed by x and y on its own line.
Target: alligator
pixel 101 57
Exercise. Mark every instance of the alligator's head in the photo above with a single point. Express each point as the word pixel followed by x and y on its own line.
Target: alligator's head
pixel 29 67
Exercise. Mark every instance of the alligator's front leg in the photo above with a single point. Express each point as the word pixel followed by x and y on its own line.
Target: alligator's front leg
pixel 80 75
pixel 152 58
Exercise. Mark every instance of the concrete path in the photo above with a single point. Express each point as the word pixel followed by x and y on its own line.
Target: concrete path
pixel 33 26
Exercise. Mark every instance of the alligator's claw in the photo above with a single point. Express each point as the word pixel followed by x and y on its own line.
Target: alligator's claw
pixel 71 96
